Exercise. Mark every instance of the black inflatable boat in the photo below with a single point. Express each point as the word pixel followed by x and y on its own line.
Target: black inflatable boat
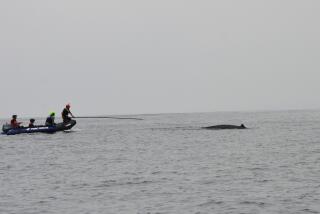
pixel 8 130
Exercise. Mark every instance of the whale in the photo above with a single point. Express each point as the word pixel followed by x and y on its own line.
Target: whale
pixel 218 127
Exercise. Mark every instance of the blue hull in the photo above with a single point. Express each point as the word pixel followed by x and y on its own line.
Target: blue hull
pixel 42 129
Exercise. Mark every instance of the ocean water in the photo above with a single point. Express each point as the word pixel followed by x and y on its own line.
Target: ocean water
pixel 167 164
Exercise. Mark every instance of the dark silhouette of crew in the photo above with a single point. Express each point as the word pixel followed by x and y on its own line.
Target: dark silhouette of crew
pixel 65 114
pixel 50 119
pixel 31 124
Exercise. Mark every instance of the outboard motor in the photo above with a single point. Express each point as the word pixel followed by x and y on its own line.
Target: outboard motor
pixel 6 127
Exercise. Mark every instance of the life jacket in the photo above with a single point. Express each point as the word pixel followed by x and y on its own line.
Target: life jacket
pixel 65 113
pixel 50 121
pixel 14 123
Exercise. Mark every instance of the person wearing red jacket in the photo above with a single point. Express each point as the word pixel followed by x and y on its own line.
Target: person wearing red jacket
pixel 14 123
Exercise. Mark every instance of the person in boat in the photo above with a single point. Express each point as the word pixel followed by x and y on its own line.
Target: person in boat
pixel 65 114
pixel 31 124
pixel 14 123
pixel 50 119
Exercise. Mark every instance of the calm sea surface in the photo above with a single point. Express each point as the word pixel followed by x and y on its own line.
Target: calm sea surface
pixel 167 164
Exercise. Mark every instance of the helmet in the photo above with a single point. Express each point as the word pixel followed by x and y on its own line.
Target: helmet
pixel 32 120
pixel 68 106
pixel 52 114
pixel 14 116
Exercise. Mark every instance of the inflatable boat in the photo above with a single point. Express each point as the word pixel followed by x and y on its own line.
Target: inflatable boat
pixel 8 130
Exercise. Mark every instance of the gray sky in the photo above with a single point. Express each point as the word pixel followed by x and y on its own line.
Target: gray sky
pixel 147 56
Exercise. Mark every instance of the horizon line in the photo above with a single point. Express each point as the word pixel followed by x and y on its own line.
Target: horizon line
pixel 195 112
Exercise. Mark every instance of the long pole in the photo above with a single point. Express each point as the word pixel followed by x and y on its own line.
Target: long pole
pixel 102 117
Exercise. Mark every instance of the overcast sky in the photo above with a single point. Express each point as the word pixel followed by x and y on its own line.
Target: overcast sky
pixel 153 56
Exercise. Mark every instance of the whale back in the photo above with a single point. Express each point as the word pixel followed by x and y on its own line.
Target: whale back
pixel 225 127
